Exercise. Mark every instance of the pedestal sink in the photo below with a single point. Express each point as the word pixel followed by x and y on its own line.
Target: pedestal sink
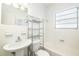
pixel 17 47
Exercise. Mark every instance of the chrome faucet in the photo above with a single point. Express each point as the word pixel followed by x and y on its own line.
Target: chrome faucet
pixel 18 39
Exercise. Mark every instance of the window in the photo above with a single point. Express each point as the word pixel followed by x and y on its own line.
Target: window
pixel 67 18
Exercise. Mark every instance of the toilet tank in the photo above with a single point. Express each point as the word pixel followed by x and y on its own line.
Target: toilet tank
pixel 36 45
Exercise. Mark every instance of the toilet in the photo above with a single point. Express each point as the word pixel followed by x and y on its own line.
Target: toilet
pixel 37 51
pixel 42 53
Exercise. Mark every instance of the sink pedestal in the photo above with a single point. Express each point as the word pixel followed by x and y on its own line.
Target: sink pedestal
pixel 19 53
pixel 23 52
pixel 26 52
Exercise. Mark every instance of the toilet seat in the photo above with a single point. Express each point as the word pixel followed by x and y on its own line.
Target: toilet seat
pixel 42 53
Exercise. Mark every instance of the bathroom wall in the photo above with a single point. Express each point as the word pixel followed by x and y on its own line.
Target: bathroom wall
pixel 53 37
pixel 36 10
pixel 0 12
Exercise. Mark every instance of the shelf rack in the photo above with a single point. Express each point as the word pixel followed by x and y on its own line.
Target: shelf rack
pixel 36 31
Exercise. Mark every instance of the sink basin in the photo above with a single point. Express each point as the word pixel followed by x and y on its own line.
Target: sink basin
pixel 17 46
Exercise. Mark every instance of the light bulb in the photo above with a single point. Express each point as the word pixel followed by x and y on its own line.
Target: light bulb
pixel 15 5
pixel 22 8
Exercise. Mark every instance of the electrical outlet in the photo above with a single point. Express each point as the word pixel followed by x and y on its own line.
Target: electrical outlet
pixel 61 40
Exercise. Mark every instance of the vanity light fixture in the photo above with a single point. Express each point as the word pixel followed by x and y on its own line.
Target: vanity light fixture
pixel 15 5
pixel 21 7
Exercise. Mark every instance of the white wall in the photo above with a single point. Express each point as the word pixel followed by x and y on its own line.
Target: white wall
pixel 37 10
pixel 0 12
pixel 70 46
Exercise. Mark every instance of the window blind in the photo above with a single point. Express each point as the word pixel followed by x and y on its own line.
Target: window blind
pixel 67 18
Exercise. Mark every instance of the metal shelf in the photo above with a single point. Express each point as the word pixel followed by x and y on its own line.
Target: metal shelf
pixel 36 36
pixel 32 35
pixel 35 21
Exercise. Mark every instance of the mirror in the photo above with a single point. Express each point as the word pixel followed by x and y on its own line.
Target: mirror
pixel 12 14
